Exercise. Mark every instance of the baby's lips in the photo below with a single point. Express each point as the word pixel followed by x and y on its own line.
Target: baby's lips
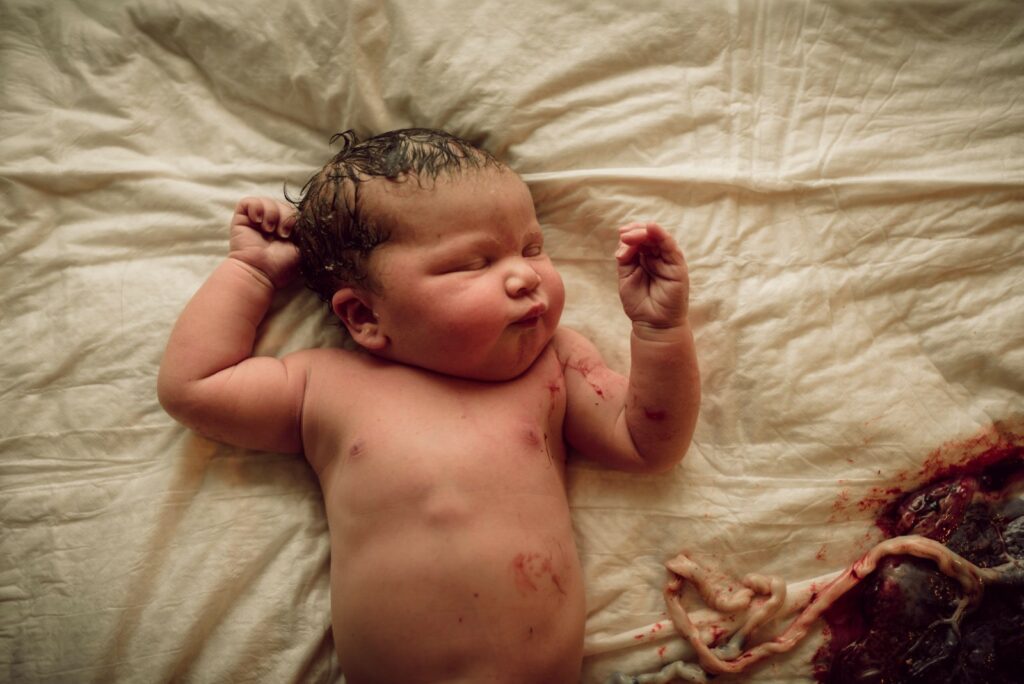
pixel 535 311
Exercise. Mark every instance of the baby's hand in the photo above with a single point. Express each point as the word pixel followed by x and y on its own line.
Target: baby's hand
pixel 260 232
pixel 654 283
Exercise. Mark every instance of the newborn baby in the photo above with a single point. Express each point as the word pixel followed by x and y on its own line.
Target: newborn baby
pixel 440 445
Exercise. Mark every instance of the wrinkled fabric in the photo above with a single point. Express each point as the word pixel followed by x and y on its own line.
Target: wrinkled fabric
pixel 846 179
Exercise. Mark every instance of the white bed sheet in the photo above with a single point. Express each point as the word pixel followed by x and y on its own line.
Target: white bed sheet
pixel 846 178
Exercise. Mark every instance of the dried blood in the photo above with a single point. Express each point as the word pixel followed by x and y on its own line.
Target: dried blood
pixel 896 627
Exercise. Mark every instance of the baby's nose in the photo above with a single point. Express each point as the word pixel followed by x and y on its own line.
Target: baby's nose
pixel 522 279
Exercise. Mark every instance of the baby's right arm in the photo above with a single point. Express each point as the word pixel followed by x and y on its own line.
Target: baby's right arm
pixel 209 379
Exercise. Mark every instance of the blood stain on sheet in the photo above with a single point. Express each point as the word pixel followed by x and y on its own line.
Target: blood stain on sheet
pixel 840 504
pixel 901 624
pixel 878 497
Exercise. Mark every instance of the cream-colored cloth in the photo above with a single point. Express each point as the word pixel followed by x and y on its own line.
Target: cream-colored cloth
pixel 846 178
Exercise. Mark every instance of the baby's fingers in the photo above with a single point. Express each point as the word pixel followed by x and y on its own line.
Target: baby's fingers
pixel 266 215
pixel 646 239
pixel 646 233
pixel 287 224
pixel 250 212
pixel 649 240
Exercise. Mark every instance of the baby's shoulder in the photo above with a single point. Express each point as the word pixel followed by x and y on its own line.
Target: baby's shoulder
pixel 326 359
pixel 335 379
pixel 570 345
pixel 328 363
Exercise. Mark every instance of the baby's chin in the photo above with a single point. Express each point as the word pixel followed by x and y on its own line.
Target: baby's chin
pixel 495 372
pixel 506 367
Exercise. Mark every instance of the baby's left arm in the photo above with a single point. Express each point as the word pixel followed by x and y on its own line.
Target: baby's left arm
pixel 644 422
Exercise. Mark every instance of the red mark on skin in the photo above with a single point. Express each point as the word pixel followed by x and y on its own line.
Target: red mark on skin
pixel 528 568
pixel 584 369
pixel 554 389
pixel 533 439
pixel 654 414
pixel 520 566
pixel 546 567
pixel 661 651
pixel 357 449
pixel 581 367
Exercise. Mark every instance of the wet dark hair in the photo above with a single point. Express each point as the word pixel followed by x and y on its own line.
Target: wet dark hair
pixel 334 231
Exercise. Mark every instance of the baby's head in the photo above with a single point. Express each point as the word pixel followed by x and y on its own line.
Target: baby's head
pixel 429 252
pixel 337 229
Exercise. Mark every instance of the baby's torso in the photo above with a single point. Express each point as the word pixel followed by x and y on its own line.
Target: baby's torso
pixel 452 555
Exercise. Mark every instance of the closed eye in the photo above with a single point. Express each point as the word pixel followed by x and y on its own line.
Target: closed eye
pixel 533 250
pixel 470 265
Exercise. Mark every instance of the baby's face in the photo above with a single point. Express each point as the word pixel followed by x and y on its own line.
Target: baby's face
pixel 465 287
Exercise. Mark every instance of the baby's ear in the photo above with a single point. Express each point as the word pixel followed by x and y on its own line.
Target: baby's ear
pixel 354 308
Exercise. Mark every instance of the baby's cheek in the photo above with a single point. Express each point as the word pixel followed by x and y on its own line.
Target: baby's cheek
pixel 555 297
pixel 480 321
pixel 554 285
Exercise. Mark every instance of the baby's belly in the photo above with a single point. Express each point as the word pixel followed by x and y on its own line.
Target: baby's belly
pixel 495 596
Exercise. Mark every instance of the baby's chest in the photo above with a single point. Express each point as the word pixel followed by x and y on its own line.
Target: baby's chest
pixel 461 436
pixel 447 444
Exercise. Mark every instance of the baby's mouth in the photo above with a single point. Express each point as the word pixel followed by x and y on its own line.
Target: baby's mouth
pixel 533 316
